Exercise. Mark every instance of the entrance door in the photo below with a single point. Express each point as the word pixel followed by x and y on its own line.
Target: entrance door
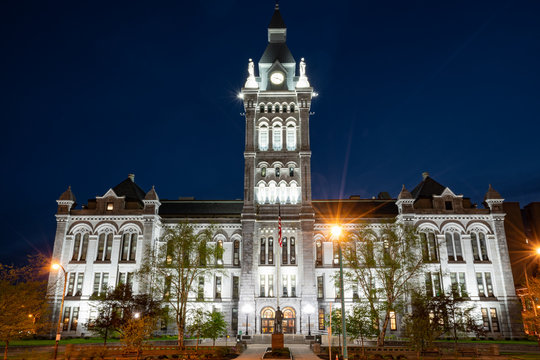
pixel 289 321
pixel 268 317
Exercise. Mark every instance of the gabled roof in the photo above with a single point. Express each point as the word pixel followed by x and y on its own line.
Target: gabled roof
pixel 427 188
pixel 277 21
pixel 277 51
pixel 130 190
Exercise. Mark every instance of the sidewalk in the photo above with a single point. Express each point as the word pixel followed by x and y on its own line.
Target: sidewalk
pixel 299 352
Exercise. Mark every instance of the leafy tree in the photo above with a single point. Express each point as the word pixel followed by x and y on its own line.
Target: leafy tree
pixel 136 330
pixel 385 263
pixel 334 321
pixel 531 315
pixel 117 306
pixel 23 300
pixel 361 323
pixel 215 326
pixel 196 323
pixel 173 268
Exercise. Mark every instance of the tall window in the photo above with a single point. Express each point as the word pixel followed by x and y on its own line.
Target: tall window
pixel 292 107
pixel 320 287
pixel 433 284
pixel 293 285
pixel 459 287
pixel 71 316
pixel 101 281
pixel 485 286
pixel 218 287
pixel 291 137
pixel 270 251
pixel 336 252
pixel 485 319
pixel 494 320
pixel 128 247
pixel 80 247
pixel 393 322
pixel 235 287
pixel 262 255
pixel 104 247
pixel 285 286
pixel 261 108
pixel 321 318
pixel 219 257
pixel 271 285
pixel 277 142
pixel 453 246
pixel 293 250
pixel 75 284
pixel 65 323
pixel 318 251
pixel 262 286
pixel 200 289
pixel 284 254
pixel 429 247
pixel 234 320
pixel 125 278
pixel 479 247
pixel 263 137
pixel 236 253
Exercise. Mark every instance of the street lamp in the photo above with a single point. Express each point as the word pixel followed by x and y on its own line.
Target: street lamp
pixel 336 232
pixel 308 309
pixel 57 266
pixel 247 308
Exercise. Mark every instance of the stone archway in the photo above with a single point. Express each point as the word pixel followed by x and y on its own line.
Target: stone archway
pixel 289 320
pixel 268 316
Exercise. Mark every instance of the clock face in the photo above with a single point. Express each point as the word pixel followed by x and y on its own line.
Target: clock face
pixel 277 78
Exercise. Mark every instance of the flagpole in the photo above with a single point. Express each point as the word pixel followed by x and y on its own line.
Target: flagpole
pixel 279 253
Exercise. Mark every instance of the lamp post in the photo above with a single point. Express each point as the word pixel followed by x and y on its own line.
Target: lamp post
pixel 57 266
pixel 336 232
pixel 308 309
pixel 537 251
pixel 247 308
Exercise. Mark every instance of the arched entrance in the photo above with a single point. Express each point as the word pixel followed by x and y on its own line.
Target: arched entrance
pixel 289 321
pixel 268 317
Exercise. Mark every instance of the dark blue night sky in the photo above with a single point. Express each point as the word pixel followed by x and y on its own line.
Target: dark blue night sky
pixel 92 91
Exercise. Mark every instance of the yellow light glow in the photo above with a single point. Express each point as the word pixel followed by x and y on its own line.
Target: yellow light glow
pixel 30 315
pixel 136 315
pixel 240 95
pixel 336 231
pixel 538 251
pixel 55 266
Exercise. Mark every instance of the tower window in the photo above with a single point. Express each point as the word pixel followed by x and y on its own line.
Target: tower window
pixel 110 206
pixel 284 254
pixel 291 137
pixel 278 172
pixel 448 205
pixel 270 251
pixel 236 253
pixel 292 108
pixel 263 138
pixel 263 251
pixel 284 108
pixel 291 171
pixel 318 250
pixel 293 251
pixel 277 138
pixel 261 109
pixel 263 171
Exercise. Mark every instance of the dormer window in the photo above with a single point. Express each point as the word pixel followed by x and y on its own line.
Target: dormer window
pixel 110 206
pixel 448 205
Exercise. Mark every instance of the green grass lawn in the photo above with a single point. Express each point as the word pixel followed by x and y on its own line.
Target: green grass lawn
pixel 520 342
pixel 32 342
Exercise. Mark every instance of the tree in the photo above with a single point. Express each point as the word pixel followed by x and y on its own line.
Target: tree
pixel 23 300
pixel 531 315
pixel 117 306
pixel 215 326
pixel 137 329
pixel 173 267
pixel 334 321
pixel 196 323
pixel 361 323
pixel 385 263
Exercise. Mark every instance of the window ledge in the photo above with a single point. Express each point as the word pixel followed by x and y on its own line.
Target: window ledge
pixel 102 262
pixel 77 262
pixel 127 262
pixel 457 262
pixel 482 261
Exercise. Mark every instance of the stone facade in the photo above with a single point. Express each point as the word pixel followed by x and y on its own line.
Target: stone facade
pixel 102 243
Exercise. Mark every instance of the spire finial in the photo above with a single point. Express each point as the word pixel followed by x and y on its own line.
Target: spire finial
pixel 277 4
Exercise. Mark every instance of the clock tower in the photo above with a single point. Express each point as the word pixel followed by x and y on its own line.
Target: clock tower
pixel 277 183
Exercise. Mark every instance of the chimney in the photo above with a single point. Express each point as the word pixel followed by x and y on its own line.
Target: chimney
pixel 131 177
pixel 425 174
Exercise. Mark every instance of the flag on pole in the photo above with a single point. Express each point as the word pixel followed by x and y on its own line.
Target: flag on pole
pixel 279 228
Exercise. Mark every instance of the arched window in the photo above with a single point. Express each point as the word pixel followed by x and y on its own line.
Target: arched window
pixel 285 108
pixel 319 253
pixel 293 193
pixel 104 247
pixel 263 171
pixel 270 251
pixel 236 253
pixel 283 193
pixel 292 107
pixel 263 251
pixel 293 250
pixel 277 138
pixel 272 192
pixel 479 246
pixel 453 246
pixel 284 255
pixel 276 108
pixel 80 247
pixel 128 247
pixel 291 137
pixel 429 247
pixel 263 137
pixel 219 252
pixel 261 193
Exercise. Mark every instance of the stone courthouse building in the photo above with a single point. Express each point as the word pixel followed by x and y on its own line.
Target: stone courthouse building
pixel 103 242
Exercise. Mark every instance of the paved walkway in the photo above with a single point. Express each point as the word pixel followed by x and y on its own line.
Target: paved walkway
pixel 299 351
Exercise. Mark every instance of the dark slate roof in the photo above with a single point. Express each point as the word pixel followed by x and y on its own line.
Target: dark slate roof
pixel 357 209
pixel 277 21
pixel 197 208
pixel 492 194
pixel 427 188
pixel 67 195
pixel 130 190
pixel 277 51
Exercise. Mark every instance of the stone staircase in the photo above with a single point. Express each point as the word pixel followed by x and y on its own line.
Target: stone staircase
pixel 267 339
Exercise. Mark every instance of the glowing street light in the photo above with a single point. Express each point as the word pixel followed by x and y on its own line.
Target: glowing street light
pixel 137 315
pixel 336 232
pixel 56 266
pixel 538 250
